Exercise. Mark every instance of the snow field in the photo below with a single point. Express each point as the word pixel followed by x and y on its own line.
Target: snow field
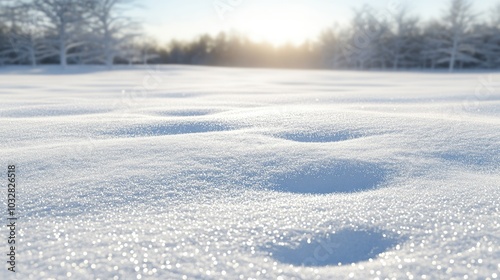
pixel 212 173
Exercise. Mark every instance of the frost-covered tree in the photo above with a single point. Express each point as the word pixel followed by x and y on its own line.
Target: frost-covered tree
pixel 25 36
pixel 364 48
pixel 131 53
pixel 139 51
pixel 147 50
pixel 4 50
pixel 5 47
pixel 488 47
pixel 112 29
pixel 457 40
pixel 402 43
pixel 433 45
pixel 65 24
pixel 334 49
pixel 495 40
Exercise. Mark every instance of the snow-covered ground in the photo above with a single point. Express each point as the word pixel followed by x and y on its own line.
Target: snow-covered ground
pixel 211 173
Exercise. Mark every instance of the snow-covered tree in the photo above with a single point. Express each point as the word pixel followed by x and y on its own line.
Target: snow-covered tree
pixel 5 47
pixel 25 36
pixel 333 47
pixel 65 24
pixel 402 43
pixel 139 51
pixel 457 40
pixel 489 45
pixel 364 46
pixel 495 23
pixel 112 29
pixel 434 46
pixel 146 47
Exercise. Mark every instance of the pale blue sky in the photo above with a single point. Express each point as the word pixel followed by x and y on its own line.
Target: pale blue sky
pixel 273 20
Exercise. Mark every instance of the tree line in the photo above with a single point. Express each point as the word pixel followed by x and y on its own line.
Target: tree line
pixel 66 31
pixel 98 32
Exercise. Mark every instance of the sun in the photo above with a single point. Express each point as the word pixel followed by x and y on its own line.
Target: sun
pixel 279 26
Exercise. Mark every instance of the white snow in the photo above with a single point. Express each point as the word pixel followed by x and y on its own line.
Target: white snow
pixel 212 173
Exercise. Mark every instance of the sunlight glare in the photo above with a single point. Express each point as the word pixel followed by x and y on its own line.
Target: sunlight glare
pixel 279 26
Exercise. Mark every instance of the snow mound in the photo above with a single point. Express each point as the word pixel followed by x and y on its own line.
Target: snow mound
pixel 342 176
pixel 345 247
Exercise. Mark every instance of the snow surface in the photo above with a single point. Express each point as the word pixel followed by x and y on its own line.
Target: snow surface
pixel 211 173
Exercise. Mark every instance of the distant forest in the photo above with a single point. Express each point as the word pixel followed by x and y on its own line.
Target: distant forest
pixel 65 32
